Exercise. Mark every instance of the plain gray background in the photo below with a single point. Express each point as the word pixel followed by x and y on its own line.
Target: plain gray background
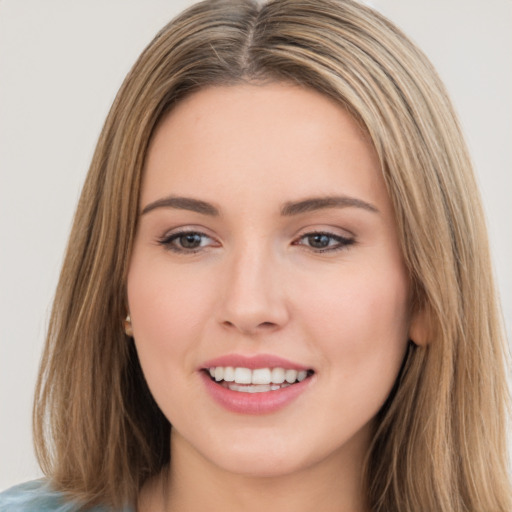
pixel 61 63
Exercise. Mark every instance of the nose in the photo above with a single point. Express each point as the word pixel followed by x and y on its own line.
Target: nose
pixel 253 299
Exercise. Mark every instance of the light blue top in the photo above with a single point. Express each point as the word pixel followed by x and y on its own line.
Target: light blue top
pixel 38 496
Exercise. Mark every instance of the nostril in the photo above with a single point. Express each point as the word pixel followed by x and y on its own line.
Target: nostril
pixel 248 328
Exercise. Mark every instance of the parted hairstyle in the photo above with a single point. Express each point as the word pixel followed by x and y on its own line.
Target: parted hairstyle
pixel 439 441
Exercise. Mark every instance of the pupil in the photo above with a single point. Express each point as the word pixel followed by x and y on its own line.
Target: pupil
pixel 190 241
pixel 319 241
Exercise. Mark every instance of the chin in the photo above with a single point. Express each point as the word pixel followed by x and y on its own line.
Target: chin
pixel 261 465
pixel 272 457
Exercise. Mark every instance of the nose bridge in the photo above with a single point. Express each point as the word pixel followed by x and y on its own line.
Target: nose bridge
pixel 253 297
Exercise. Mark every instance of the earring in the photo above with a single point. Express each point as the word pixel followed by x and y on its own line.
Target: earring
pixel 128 326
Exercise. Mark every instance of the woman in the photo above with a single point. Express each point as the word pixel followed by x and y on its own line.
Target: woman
pixel 279 251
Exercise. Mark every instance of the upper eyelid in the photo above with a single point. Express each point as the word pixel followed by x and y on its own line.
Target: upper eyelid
pixel 341 244
pixel 325 229
pixel 326 233
pixel 167 242
pixel 175 232
pixel 347 240
pixel 200 230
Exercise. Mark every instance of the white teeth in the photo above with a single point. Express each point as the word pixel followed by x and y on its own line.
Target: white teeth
pixel 261 388
pixel 261 376
pixel 278 375
pixel 243 376
pixel 229 374
pixel 291 376
pixel 300 376
pixel 258 389
pixel 258 377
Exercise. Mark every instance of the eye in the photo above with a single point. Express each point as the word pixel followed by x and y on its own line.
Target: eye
pixel 324 242
pixel 186 241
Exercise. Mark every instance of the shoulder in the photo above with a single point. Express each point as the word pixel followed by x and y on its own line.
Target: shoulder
pixel 38 496
pixel 32 496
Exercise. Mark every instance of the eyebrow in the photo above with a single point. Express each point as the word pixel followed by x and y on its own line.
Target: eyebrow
pixel 289 209
pixel 321 203
pixel 183 203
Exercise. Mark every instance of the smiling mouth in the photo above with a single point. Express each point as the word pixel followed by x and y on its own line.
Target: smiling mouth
pixel 259 380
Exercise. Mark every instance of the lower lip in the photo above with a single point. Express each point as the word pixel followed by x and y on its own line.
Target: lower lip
pixel 254 403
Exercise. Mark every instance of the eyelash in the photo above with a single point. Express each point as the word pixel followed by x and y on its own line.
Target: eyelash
pixel 168 241
pixel 341 242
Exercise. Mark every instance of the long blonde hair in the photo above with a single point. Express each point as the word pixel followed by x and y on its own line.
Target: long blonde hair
pixel 440 439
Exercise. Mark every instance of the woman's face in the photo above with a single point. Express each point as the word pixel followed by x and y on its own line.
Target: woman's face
pixel 267 250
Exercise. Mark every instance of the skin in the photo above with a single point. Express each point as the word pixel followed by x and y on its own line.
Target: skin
pixel 258 284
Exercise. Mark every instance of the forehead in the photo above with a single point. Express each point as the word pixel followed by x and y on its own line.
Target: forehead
pixel 267 141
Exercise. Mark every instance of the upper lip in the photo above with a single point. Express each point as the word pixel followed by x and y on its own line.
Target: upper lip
pixel 253 362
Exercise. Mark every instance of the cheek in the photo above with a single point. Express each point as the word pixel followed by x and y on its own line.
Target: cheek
pixel 362 324
pixel 168 308
pixel 364 334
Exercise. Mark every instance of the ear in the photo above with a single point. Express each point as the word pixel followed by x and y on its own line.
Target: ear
pixel 127 325
pixel 419 327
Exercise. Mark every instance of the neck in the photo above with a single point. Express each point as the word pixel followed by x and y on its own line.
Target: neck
pixel 195 483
